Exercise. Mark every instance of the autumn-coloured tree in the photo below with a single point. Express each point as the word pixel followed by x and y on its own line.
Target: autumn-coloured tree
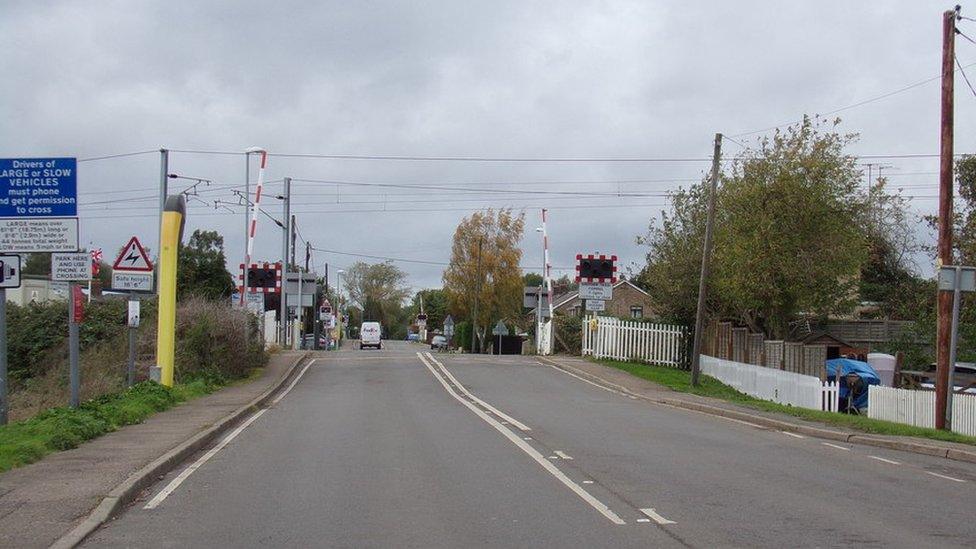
pixel 493 236
pixel 378 289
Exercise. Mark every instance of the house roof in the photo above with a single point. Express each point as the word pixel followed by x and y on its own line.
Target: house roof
pixel 566 298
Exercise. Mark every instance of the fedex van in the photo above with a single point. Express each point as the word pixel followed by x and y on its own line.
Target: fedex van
pixel 369 335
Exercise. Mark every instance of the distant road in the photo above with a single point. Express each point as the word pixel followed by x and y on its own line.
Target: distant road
pixel 391 449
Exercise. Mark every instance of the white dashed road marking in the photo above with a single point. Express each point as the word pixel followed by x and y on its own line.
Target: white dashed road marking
pixel 794 435
pixel 562 454
pixel 656 517
pixel 954 479
pixel 835 446
pixel 891 461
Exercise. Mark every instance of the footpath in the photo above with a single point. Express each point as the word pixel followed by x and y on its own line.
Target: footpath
pixel 622 381
pixel 67 493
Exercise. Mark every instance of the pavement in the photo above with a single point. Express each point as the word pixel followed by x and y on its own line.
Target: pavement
pixel 393 448
pixel 41 502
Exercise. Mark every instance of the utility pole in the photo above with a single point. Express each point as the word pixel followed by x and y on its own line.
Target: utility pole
pixel 317 317
pixel 706 264
pixel 943 327
pixel 477 299
pixel 286 230
pixel 295 332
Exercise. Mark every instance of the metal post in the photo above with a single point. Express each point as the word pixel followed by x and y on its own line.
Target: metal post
pixel 3 356
pixel 297 331
pixel 943 327
pixel 130 377
pixel 477 298
pixel 286 229
pixel 73 373
pixel 956 299
pixel 706 264
pixel 247 221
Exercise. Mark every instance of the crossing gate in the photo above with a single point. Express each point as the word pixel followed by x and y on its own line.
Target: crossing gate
pixel 605 337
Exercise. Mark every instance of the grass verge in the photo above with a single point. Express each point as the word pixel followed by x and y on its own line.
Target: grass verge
pixel 64 428
pixel 680 380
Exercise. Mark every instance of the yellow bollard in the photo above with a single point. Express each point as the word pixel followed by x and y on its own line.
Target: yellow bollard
pixel 174 217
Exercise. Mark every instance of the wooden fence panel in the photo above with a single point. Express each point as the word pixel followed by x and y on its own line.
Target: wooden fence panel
pixel 755 349
pixel 774 354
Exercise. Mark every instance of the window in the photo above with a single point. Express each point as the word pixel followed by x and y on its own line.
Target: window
pixel 636 311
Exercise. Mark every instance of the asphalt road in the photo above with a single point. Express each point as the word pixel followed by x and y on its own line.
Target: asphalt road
pixel 391 449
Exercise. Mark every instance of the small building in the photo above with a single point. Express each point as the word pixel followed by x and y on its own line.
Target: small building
pixel 37 288
pixel 836 347
pixel 628 301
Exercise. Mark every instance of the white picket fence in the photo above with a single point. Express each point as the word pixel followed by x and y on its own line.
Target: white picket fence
pixel 638 341
pixel 770 384
pixel 917 408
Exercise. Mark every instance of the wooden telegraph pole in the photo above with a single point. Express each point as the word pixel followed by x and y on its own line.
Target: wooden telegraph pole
pixel 943 330
pixel 706 264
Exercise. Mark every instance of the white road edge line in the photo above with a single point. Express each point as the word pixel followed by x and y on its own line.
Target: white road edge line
pixel 176 482
pixel 945 477
pixel 562 454
pixel 521 426
pixel 583 379
pixel 293 383
pixel 891 461
pixel 835 446
pixel 525 447
pixel 794 435
pixel 656 517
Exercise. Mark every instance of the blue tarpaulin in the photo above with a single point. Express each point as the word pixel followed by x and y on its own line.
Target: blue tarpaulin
pixel 848 366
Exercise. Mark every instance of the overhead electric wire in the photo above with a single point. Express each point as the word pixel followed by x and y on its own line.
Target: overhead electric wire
pixel 420 261
pixel 853 105
pixel 119 155
pixel 966 78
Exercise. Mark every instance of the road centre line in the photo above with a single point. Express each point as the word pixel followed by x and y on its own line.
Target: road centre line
pixel 954 479
pixel 891 461
pixel 521 426
pixel 656 517
pixel 528 449
pixel 836 446
pixel 176 482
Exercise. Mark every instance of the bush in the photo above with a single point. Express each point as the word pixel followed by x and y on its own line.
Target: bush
pixel 215 341
pixel 568 332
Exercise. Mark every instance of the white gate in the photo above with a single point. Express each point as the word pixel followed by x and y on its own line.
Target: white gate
pixel 605 337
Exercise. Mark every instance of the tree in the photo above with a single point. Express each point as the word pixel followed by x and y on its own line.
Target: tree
pixel 202 269
pixel 37 264
pixel 532 279
pixel 493 237
pixel 789 235
pixel 435 306
pixel 379 290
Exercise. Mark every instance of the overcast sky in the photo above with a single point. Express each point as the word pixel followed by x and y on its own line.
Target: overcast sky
pixel 652 80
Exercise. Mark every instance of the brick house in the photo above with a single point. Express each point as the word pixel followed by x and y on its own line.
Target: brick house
pixel 628 301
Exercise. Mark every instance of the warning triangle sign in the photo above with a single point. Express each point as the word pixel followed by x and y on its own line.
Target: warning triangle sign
pixel 133 258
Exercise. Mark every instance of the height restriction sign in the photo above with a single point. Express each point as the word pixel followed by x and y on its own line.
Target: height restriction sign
pixel 132 270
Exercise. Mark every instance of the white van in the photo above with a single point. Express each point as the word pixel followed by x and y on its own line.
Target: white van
pixel 369 335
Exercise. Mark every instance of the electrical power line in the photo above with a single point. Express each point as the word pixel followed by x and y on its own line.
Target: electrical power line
pixel 853 105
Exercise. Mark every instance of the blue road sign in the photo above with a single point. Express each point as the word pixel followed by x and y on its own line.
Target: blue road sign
pixel 38 187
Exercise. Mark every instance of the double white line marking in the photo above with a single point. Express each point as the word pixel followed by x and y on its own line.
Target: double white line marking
pixel 429 362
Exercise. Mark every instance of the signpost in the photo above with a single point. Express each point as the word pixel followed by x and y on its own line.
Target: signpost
pixel 596 275
pixel 38 213
pixel 956 279
pixel 596 290
pixel 70 267
pixel 132 270
pixel 596 305
pixel 133 322
pixel 9 271
pixel 500 330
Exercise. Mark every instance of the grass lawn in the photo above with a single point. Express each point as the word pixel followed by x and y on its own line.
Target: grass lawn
pixel 680 380
pixel 63 428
